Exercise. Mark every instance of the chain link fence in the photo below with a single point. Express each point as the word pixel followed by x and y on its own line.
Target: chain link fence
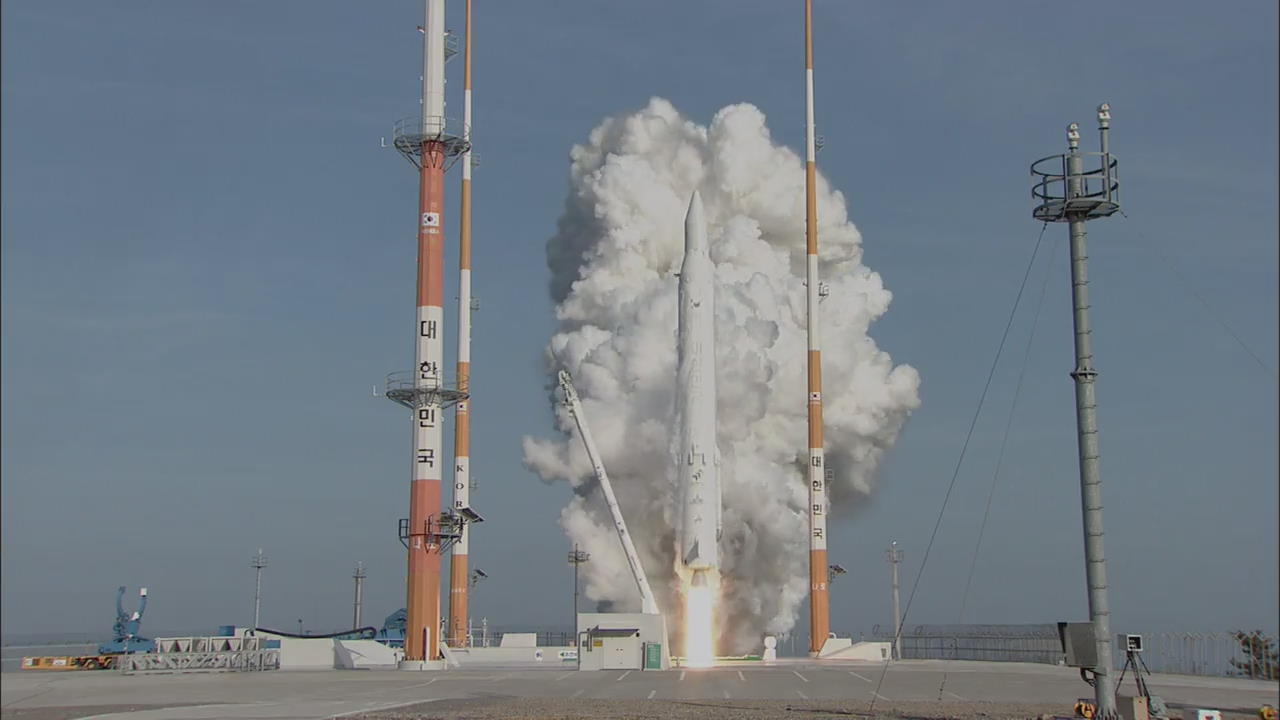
pixel 1203 653
pixel 992 643
pixel 1186 653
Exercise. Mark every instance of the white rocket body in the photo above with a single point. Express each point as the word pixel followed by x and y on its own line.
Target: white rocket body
pixel 698 468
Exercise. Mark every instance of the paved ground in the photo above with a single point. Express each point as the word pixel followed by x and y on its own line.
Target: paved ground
pixel 796 689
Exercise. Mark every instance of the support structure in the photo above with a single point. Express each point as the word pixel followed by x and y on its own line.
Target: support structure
pixel 359 575
pixel 257 562
pixel 459 581
pixel 1065 191
pixel 895 559
pixel 819 601
pixel 430 143
pixel 648 602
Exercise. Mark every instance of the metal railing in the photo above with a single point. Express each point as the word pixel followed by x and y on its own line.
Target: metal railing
pixel 1061 194
pixel 440 389
pixel 221 661
pixel 410 133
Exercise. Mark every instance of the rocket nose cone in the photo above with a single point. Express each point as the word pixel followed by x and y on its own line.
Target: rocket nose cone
pixel 695 228
pixel 695 210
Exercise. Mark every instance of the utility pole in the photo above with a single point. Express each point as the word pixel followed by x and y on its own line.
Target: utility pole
pixel 1065 191
pixel 895 558
pixel 257 562
pixel 359 576
pixel 576 558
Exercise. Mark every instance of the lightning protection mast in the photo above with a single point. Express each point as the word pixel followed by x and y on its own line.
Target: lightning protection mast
pixel 257 562
pixel 819 602
pixel 431 144
pixel 358 605
pixel 459 580
pixel 1065 191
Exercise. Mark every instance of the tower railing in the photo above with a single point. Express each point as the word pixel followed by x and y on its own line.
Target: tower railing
pixel 402 387
pixel 409 134
pixel 1061 194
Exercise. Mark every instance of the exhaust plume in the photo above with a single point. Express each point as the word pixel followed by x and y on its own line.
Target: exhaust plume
pixel 613 262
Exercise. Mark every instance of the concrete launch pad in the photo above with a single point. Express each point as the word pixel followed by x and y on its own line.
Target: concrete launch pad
pixel 750 690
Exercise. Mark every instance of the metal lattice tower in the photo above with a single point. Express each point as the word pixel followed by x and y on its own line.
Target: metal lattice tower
pixel 1074 188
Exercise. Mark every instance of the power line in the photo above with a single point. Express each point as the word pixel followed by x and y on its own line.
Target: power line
pixel 1004 443
pixel 924 561
pixel 1191 288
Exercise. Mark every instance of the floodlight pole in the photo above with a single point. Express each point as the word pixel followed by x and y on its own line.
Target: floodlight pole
pixel 576 558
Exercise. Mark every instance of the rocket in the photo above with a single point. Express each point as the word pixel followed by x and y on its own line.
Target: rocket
pixel 698 469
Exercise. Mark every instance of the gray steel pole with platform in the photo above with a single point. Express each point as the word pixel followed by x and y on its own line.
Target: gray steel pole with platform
pixel 1065 191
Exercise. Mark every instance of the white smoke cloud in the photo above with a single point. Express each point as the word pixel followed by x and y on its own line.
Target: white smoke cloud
pixel 613 261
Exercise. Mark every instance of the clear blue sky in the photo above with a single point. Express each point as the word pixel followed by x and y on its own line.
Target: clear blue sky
pixel 208 263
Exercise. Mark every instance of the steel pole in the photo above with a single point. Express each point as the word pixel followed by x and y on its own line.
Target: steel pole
pixel 257 598
pixel 576 562
pixel 359 576
pixel 819 590
pixel 459 581
pixel 895 557
pixel 422 623
pixel 1084 376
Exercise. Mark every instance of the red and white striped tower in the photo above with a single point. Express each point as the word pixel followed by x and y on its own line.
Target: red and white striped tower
pixel 819 602
pixel 423 623
pixel 458 576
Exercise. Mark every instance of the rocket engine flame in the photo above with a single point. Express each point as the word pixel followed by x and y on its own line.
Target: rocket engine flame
pixel 699 620
pixel 613 260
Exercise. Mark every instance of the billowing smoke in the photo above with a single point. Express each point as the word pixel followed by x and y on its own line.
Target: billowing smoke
pixel 613 261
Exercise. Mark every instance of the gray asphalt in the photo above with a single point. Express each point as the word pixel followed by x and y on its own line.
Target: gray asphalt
pixel 333 693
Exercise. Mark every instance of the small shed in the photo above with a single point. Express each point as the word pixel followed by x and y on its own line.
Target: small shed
pixel 612 649
pixel 622 641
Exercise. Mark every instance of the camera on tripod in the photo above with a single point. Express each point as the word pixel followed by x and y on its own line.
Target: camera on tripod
pixel 1131 643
